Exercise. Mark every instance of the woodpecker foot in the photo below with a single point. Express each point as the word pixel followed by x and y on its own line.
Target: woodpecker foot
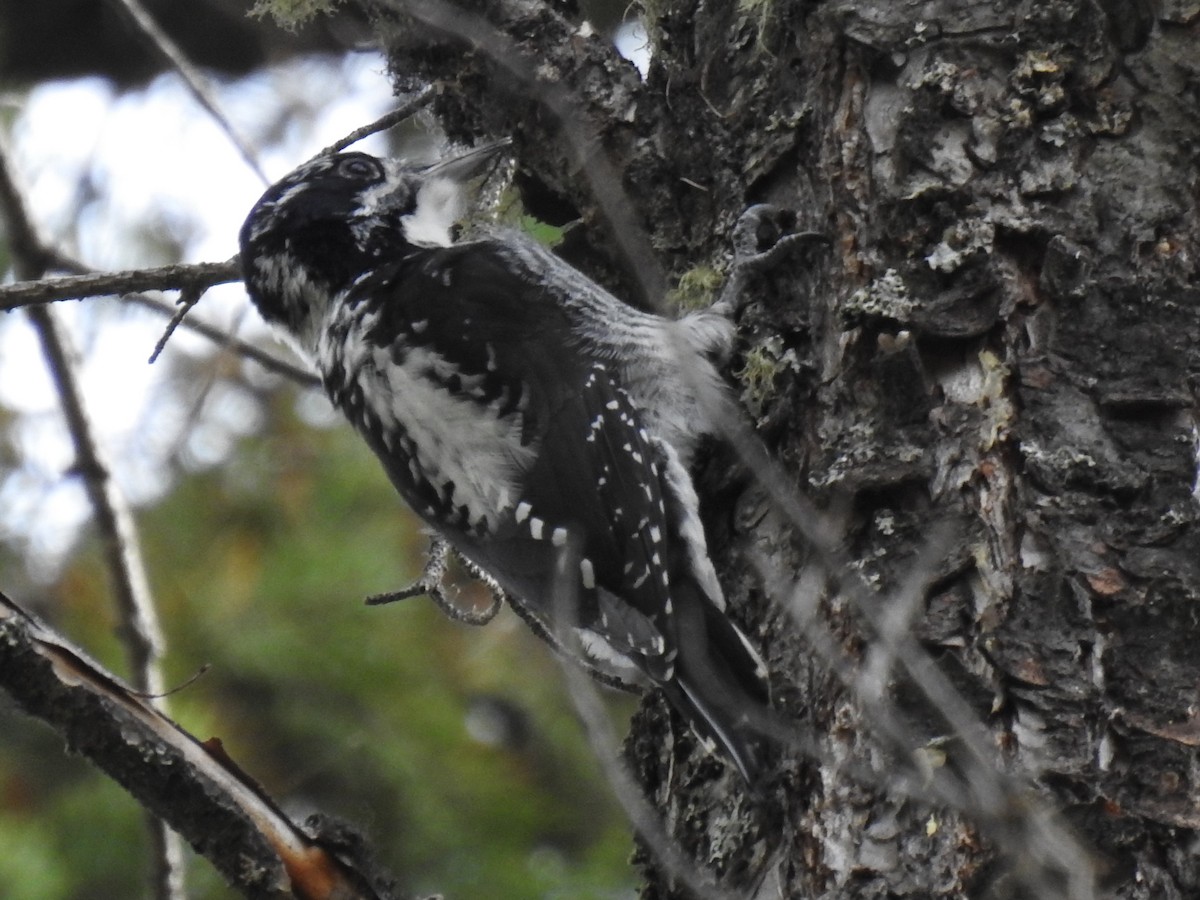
pixel 765 233
pixel 430 584
pixel 762 237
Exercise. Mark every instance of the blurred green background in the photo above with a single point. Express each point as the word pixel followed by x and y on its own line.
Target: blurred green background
pixel 453 747
pixel 265 521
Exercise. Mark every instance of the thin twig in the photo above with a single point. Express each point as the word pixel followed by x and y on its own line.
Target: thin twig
pixel 188 298
pixel 641 814
pixel 383 123
pixel 1021 824
pixel 140 631
pixel 220 336
pixel 197 84
pixel 1002 804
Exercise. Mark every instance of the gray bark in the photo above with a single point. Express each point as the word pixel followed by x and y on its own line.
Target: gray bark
pixel 1002 339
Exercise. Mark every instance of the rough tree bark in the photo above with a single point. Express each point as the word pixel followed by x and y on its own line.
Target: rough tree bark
pixel 1001 340
pixel 986 384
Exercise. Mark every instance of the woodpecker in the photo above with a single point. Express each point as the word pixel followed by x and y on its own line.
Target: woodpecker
pixel 538 423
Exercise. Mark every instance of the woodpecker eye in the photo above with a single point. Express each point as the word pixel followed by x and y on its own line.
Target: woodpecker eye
pixel 360 168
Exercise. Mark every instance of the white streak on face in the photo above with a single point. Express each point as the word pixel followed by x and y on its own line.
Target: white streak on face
pixel 293 191
pixel 440 203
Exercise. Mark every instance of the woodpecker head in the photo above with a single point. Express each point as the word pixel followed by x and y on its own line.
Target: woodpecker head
pixel 337 217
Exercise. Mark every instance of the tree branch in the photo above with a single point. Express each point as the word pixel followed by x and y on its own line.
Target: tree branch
pixel 140 628
pixel 192 785
pixel 131 284
pixel 175 277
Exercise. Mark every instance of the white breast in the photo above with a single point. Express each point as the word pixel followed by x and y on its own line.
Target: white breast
pixel 455 439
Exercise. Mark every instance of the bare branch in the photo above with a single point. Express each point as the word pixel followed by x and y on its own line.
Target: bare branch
pixel 131 284
pixel 197 84
pixel 139 628
pixel 179 276
pixel 195 786
pixel 140 631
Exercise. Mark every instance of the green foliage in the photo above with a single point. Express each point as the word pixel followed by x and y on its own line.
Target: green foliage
pixel 542 232
pixel 60 824
pixel 30 863
pixel 510 211
pixel 261 567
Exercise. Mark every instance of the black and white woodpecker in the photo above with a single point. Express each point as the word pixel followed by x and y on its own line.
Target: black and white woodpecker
pixel 542 426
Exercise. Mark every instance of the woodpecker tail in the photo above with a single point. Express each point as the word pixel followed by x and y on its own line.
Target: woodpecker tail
pixel 720 683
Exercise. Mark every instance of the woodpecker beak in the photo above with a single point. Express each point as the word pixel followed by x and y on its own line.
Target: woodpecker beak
pixel 441 190
pixel 468 165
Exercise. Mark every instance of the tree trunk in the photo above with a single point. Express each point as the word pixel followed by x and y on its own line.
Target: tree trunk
pixel 991 368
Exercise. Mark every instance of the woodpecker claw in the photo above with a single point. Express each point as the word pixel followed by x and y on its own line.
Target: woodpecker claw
pixel 430 585
pixel 758 261
pixel 761 238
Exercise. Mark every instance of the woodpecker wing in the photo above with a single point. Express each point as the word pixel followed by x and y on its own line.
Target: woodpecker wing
pixel 589 485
